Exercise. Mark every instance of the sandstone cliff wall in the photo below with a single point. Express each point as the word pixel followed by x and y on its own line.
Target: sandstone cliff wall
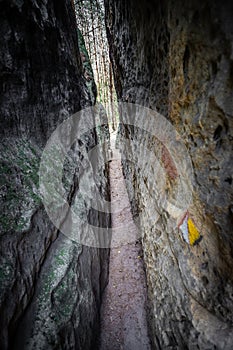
pixel 176 57
pixel 50 287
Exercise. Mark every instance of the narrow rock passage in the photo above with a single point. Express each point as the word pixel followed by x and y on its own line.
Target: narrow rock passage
pixel 123 312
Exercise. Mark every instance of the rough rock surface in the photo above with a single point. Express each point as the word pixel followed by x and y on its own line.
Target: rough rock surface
pixel 50 287
pixel 176 57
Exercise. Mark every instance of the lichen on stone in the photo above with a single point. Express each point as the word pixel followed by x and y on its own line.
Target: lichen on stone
pixel 18 183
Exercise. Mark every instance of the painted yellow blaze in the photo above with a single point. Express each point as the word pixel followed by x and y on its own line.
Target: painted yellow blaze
pixel 189 231
pixel 193 232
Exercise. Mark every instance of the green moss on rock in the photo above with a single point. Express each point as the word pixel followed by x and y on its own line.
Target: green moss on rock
pixel 19 182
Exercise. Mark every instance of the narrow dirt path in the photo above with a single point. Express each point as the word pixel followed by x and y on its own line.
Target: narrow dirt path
pixel 123 312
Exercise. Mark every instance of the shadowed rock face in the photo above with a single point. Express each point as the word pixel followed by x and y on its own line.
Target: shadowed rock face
pixel 50 287
pixel 177 58
pixel 36 35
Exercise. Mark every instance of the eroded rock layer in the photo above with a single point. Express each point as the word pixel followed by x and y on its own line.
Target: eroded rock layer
pixel 50 286
pixel 176 57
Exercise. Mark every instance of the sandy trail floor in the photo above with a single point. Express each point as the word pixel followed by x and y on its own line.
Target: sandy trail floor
pixel 123 312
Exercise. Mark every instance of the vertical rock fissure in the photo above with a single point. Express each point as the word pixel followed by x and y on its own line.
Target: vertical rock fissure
pixel 174 57
pixel 123 321
pixel 123 312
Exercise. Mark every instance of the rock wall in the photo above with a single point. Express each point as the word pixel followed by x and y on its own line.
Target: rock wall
pixel 50 286
pixel 176 58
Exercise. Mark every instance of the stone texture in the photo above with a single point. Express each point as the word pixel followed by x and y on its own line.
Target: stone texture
pixel 50 287
pixel 176 58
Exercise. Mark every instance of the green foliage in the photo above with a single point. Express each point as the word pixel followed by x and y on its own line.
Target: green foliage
pixel 91 23
pixel 83 50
